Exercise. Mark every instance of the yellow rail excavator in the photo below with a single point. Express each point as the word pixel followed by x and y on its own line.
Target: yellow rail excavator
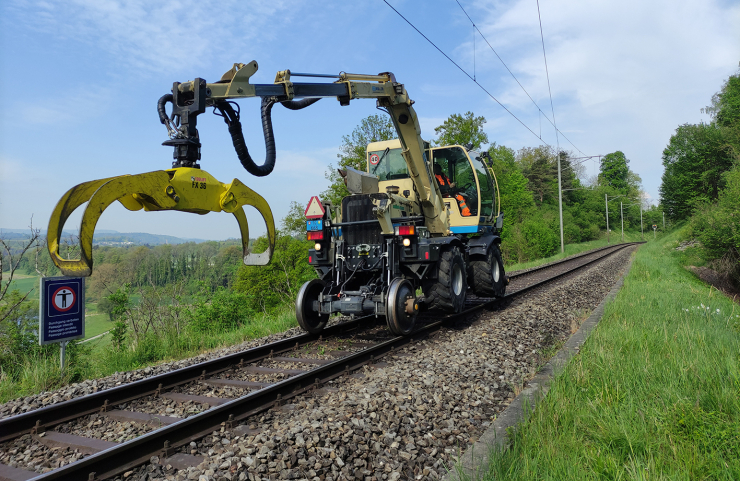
pixel 421 225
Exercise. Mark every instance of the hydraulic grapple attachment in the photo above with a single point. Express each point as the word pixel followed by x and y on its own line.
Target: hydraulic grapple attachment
pixel 185 189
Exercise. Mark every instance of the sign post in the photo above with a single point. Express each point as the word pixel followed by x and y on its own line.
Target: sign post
pixel 61 311
pixel 655 227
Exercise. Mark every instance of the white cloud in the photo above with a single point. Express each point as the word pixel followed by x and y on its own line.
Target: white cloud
pixel 155 36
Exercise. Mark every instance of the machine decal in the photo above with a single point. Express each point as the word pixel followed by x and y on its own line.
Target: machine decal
pixel 374 159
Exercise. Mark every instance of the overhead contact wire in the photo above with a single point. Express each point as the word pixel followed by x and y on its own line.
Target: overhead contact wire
pixel 547 73
pixel 466 73
pixel 514 76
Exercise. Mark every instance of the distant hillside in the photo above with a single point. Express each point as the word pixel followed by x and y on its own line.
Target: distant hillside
pixel 108 237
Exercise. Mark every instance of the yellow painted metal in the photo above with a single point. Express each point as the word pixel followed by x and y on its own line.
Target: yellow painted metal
pixel 184 189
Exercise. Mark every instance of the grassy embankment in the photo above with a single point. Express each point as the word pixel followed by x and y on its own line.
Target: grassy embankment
pixel 97 358
pixel 654 393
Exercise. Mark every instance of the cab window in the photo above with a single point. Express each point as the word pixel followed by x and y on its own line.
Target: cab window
pixel 387 164
pixel 454 164
pixel 486 186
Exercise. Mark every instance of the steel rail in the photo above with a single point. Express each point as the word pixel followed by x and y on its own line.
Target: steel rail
pixel 163 441
pixel 49 416
pixel 567 259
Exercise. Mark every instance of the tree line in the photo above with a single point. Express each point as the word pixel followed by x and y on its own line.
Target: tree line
pixel 701 181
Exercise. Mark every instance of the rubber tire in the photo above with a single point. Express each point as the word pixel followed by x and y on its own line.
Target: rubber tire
pixel 399 322
pixel 488 277
pixel 310 320
pixel 449 291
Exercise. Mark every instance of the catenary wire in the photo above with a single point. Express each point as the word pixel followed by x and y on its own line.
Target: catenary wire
pixel 514 76
pixel 547 73
pixel 466 73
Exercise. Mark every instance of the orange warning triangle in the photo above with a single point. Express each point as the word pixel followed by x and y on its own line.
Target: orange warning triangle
pixel 315 209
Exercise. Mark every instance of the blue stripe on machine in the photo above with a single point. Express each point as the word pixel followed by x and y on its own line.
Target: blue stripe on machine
pixel 464 229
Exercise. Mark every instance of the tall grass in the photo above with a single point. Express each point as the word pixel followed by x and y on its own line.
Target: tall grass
pixel 654 393
pixel 42 373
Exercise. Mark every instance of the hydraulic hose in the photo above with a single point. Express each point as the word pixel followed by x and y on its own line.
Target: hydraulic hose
pixel 161 107
pixel 237 137
pixel 299 104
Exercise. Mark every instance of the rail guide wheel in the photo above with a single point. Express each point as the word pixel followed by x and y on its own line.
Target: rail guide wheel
pixel 310 320
pixel 401 307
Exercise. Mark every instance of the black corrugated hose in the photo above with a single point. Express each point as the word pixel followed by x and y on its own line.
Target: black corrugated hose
pixel 161 107
pixel 237 136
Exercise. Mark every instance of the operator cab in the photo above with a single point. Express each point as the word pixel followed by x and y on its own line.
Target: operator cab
pixel 470 199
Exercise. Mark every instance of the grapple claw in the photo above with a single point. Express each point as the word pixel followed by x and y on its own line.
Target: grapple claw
pixel 184 189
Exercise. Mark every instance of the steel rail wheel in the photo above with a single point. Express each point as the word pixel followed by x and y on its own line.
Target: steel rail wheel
pixel 401 307
pixel 309 319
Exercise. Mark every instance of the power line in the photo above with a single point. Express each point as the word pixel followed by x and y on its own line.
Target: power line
pixel 466 73
pixel 514 76
pixel 547 73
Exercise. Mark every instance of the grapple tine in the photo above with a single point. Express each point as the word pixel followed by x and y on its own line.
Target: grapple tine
pixel 151 186
pixel 238 195
pixel 70 201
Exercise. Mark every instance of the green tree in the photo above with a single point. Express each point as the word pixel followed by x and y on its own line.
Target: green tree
pixel 614 171
pixel 353 153
pixel 694 161
pixel 516 198
pixel 540 168
pixel 462 130
pixel 725 108
pixel 294 223
pixel 717 226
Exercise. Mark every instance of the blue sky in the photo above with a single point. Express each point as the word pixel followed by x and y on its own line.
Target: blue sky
pixel 81 79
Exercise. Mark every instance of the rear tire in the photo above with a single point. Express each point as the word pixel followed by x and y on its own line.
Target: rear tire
pixel 399 321
pixel 448 292
pixel 310 320
pixel 488 276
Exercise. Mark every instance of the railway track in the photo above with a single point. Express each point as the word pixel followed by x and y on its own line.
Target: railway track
pixel 273 378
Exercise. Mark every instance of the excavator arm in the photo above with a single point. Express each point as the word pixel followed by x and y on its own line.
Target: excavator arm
pixel 389 94
pixel 174 189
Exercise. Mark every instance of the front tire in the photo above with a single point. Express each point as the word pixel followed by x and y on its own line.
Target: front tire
pixel 310 320
pixel 488 276
pixel 400 307
pixel 448 293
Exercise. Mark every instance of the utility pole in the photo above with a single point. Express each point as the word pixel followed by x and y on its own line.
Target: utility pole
pixel 560 206
pixel 621 213
pixel 606 202
pixel 642 234
pixel 663 220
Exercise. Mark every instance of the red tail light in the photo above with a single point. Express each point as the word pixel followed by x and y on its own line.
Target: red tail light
pixel 405 230
pixel 310 259
pixel 317 235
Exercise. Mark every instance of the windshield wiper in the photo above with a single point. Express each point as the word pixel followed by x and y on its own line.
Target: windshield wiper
pixel 385 152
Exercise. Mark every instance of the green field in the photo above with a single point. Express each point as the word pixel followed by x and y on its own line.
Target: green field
pixel 25 284
pixel 654 392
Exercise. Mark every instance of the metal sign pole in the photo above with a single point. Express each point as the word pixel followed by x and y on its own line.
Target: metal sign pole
pixel 621 214
pixel 606 202
pixel 62 354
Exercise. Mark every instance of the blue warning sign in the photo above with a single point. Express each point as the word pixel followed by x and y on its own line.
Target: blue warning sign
pixel 62 309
